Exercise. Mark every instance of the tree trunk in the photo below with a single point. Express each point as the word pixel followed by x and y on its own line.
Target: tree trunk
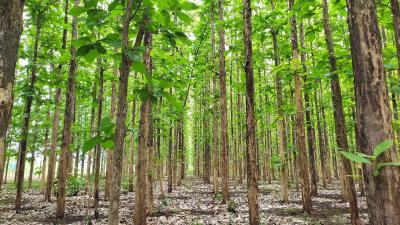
pixel 310 128
pixel 11 23
pixel 144 145
pixel 45 154
pixel 394 5
pixel 169 163
pixel 282 145
pixel 215 104
pixel 120 129
pixel 132 155
pixel 374 120
pixel 340 123
pixel 27 115
pixel 98 148
pixel 300 133
pixel 68 119
pixel 252 181
pixel 224 124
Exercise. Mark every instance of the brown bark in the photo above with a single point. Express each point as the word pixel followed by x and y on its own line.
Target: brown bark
pixel 282 145
pixel 310 128
pixel 224 124
pixel 120 129
pixel 27 111
pixel 300 133
pixel 68 119
pixel 11 23
pixel 98 148
pixel 340 123
pixel 132 154
pixel 169 163
pixel 215 103
pixel 252 181
pixel 56 117
pixel 145 142
pixel 374 119
pixel 45 154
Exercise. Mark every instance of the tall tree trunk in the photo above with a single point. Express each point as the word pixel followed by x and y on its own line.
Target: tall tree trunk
pixel 215 103
pixel 340 123
pixel 252 181
pixel 310 128
pixel 281 120
pixel 11 23
pixel 300 133
pixel 27 115
pixel 120 129
pixel 374 120
pixel 68 119
pixel 98 148
pixel 144 144
pixel 169 163
pixel 56 117
pixel 224 123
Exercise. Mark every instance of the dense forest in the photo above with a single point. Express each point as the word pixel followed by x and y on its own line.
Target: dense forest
pixel 199 112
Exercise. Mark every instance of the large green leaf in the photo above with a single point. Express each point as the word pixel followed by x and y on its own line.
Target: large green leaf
pixel 355 157
pixel 382 147
pixel 91 143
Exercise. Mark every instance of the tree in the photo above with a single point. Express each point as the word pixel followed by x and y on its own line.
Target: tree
pixel 300 133
pixel 252 179
pixel 374 119
pixel 68 119
pixel 224 123
pixel 11 29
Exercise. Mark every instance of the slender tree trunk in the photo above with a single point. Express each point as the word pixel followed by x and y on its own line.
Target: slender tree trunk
pixel 11 23
pixel 132 155
pixel 68 119
pixel 98 148
pixel 252 181
pixel 374 119
pixel 144 145
pixel 120 129
pixel 224 124
pixel 394 5
pixel 281 120
pixel 45 154
pixel 169 169
pixel 300 133
pixel 215 104
pixel 27 111
pixel 310 128
pixel 340 124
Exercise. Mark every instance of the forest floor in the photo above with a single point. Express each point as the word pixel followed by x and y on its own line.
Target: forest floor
pixel 191 204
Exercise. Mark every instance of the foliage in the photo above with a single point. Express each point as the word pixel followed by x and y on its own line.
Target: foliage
pixel 74 185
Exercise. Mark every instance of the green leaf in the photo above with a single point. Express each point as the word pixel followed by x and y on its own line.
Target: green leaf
pixel 100 49
pixel 355 157
pixel 139 67
pixel 77 11
pixel 83 50
pixel 382 147
pixel 107 125
pixel 184 17
pixel 108 144
pixel 391 164
pixel 188 6
pixel 91 143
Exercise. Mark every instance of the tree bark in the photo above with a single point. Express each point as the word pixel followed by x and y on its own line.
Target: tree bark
pixel 11 23
pixel 120 129
pixel 374 119
pixel 300 133
pixel 224 123
pixel 68 119
pixel 340 123
pixel 252 180
pixel 144 145
pixel 27 115
pixel 98 148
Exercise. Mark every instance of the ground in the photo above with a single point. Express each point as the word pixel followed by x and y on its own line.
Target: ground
pixel 191 204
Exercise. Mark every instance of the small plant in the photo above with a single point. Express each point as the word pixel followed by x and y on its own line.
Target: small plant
pixel 372 159
pixel 218 197
pixel 232 205
pixel 74 185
